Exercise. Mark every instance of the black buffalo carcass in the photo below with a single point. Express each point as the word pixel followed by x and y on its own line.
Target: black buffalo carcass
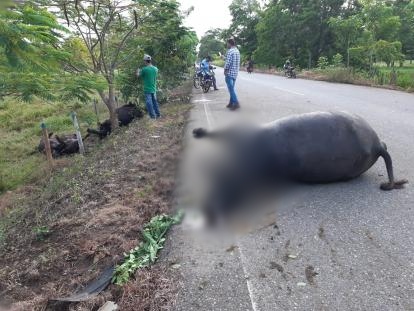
pixel 60 145
pixel 125 114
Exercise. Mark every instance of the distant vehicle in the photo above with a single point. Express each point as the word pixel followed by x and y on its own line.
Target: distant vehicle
pixel 249 67
pixel 290 72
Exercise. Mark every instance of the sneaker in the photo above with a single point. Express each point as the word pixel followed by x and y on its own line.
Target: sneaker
pixel 229 105
pixel 235 107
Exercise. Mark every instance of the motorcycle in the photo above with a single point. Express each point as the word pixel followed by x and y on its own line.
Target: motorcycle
pixel 204 80
pixel 197 78
pixel 249 67
pixel 290 72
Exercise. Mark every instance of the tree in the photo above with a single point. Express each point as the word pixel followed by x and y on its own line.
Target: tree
pixel 347 31
pixel 388 52
pixel 172 46
pixel 245 16
pixel 211 43
pixel 31 56
pixel 105 27
pixel 405 10
pixel 296 29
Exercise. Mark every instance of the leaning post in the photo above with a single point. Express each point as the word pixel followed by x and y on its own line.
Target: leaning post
pixel 78 133
pixel 46 141
pixel 95 105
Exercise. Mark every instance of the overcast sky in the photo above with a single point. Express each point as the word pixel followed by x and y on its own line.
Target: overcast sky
pixel 207 14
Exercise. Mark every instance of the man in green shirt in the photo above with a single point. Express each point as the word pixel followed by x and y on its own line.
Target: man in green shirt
pixel 149 76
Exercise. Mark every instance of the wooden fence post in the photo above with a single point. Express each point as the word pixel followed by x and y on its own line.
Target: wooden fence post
pixel 95 105
pixel 46 141
pixel 78 133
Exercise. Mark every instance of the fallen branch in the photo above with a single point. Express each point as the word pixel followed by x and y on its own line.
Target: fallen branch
pixel 146 253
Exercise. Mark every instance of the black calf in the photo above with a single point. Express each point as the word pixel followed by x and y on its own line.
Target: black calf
pixel 125 114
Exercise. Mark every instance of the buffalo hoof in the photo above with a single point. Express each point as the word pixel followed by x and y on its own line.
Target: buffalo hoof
pixel 200 132
pixel 399 184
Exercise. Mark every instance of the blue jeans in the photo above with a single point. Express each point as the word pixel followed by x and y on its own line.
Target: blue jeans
pixel 230 85
pixel 152 105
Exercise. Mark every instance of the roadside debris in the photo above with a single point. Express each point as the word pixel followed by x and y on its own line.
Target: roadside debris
pixel 146 253
pixel 109 306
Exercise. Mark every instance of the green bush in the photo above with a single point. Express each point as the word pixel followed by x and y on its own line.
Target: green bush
pixel 337 60
pixel 340 75
pixel 323 62
pixel 405 80
pixel 219 62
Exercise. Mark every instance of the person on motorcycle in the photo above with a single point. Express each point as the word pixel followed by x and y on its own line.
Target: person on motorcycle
pixel 287 66
pixel 250 65
pixel 206 68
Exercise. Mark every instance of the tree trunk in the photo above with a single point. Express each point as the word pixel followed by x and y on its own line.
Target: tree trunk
pixel 111 106
pixel 347 56
pixel 310 59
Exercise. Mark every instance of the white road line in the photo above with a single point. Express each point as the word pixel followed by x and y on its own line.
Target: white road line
pixel 249 284
pixel 201 100
pixel 293 92
pixel 206 111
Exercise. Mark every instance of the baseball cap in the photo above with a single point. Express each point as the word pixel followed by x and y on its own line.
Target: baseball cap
pixel 147 57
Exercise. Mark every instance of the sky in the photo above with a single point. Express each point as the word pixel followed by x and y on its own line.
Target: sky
pixel 207 14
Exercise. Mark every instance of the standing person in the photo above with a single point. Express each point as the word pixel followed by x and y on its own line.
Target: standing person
pixel 149 76
pixel 231 70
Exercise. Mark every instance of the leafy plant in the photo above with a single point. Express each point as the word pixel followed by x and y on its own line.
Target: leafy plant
pixel 146 252
pixel 323 62
pixel 41 232
pixel 337 60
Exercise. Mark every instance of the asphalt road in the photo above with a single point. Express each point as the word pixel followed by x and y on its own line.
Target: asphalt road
pixel 343 246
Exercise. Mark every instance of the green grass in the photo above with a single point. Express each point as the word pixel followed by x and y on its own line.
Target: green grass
pixel 404 75
pixel 20 134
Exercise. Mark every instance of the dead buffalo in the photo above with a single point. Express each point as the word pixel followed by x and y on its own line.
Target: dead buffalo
pixel 319 147
pixel 60 145
pixel 125 115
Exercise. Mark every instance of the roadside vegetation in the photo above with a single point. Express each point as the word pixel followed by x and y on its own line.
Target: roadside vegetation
pixel 60 227
pixel 58 235
pixel 79 68
pixel 368 42
pixel 20 132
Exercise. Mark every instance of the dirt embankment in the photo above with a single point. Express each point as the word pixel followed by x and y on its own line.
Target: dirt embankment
pixel 56 237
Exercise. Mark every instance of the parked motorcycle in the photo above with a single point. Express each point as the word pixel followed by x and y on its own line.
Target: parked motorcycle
pixel 204 80
pixel 198 76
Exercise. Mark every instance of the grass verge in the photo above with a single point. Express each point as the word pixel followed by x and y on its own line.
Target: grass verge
pixel 20 134
pixel 90 212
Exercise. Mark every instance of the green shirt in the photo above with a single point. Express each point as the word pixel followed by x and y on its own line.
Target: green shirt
pixel 149 75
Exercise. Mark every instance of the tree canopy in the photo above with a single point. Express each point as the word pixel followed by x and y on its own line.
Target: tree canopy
pixel 72 49
pixel 361 31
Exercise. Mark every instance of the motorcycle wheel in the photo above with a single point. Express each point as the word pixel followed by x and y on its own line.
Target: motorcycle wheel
pixel 207 86
pixel 196 82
